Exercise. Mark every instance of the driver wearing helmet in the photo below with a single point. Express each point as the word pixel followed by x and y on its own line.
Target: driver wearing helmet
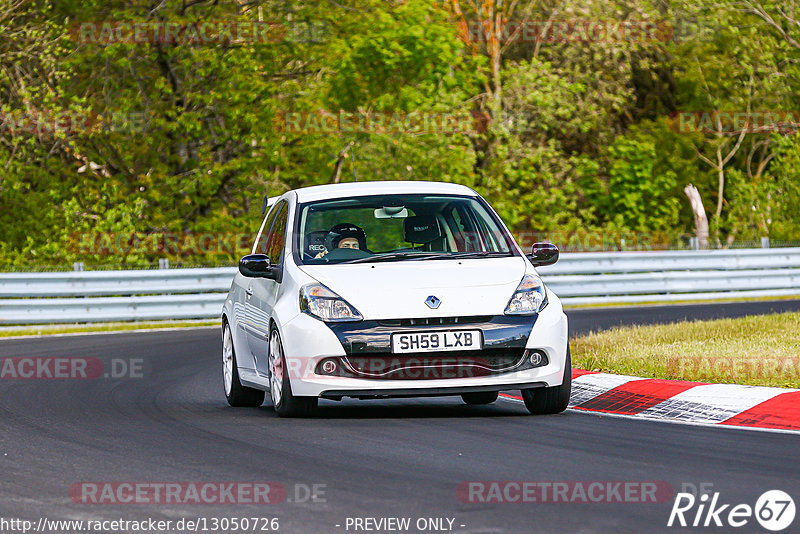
pixel 344 235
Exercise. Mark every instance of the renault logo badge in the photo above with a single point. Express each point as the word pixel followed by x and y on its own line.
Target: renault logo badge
pixel 432 302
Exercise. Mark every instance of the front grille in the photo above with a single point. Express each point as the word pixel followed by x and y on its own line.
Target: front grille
pixel 435 321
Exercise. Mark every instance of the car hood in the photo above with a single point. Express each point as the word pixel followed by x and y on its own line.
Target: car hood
pixel 397 290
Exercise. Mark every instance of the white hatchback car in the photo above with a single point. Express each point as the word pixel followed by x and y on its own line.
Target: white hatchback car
pixel 391 289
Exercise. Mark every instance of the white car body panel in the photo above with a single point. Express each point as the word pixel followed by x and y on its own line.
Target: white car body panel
pixel 395 290
pixel 360 189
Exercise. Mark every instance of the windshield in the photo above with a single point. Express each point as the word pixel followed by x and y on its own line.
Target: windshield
pixel 398 228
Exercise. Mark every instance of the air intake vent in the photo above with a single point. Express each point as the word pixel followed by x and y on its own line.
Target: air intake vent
pixel 436 321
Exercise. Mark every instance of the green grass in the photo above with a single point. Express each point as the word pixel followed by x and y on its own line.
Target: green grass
pixel 44 330
pixel 759 350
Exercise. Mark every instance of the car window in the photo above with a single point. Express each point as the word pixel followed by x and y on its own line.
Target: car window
pixel 385 234
pixel 470 236
pixel 262 245
pixel 490 235
pixel 276 236
pixel 394 226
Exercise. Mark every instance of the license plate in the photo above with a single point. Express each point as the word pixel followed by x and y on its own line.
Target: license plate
pixel 436 341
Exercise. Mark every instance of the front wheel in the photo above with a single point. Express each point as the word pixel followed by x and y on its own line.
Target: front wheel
pixel 280 388
pixel 235 392
pixel 553 399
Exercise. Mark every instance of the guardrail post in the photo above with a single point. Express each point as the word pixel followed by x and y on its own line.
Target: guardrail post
pixel 163 263
pixel 764 242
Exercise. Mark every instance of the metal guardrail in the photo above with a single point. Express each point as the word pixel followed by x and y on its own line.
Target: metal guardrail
pixel 103 283
pixel 96 296
pixel 630 277
pixel 100 309
pixel 578 278
pixel 682 260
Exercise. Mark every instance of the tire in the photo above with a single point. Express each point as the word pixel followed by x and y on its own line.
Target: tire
pixel 237 394
pixel 484 397
pixel 553 399
pixel 280 387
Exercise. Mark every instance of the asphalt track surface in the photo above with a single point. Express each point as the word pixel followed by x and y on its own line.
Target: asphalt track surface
pixel 391 458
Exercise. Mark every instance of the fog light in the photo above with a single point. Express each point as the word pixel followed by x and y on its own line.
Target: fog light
pixel 537 358
pixel 329 367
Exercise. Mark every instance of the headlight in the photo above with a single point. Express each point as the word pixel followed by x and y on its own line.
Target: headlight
pixel 529 298
pixel 320 302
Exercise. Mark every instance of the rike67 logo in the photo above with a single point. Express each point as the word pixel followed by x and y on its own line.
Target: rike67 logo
pixel 774 510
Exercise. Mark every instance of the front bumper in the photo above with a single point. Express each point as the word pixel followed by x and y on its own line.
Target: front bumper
pixel 367 345
pixel 337 394
pixel 308 341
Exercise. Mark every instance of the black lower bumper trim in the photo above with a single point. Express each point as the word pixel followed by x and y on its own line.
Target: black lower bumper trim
pixel 374 338
pixel 425 392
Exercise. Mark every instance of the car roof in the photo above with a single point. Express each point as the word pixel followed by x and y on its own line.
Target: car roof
pixel 359 189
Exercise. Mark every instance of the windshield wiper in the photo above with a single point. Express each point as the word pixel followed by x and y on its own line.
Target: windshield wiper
pixel 480 254
pixel 420 256
pixel 462 255
pixel 394 256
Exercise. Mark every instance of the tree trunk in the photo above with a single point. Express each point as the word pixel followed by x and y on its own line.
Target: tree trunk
pixel 700 219
pixel 337 168
pixel 720 183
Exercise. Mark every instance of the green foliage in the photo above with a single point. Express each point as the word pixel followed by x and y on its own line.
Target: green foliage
pixel 781 190
pixel 167 138
pixel 641 198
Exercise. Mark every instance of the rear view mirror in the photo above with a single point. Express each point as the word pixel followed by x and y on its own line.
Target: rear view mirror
pixel 543 254
pixel 391 212
pixel 258 266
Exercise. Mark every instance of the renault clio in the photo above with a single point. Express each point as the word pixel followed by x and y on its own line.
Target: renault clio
pixel 391 289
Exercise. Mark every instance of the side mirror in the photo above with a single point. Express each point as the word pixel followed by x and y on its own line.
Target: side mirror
pixel 543 254
pixel 257 266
